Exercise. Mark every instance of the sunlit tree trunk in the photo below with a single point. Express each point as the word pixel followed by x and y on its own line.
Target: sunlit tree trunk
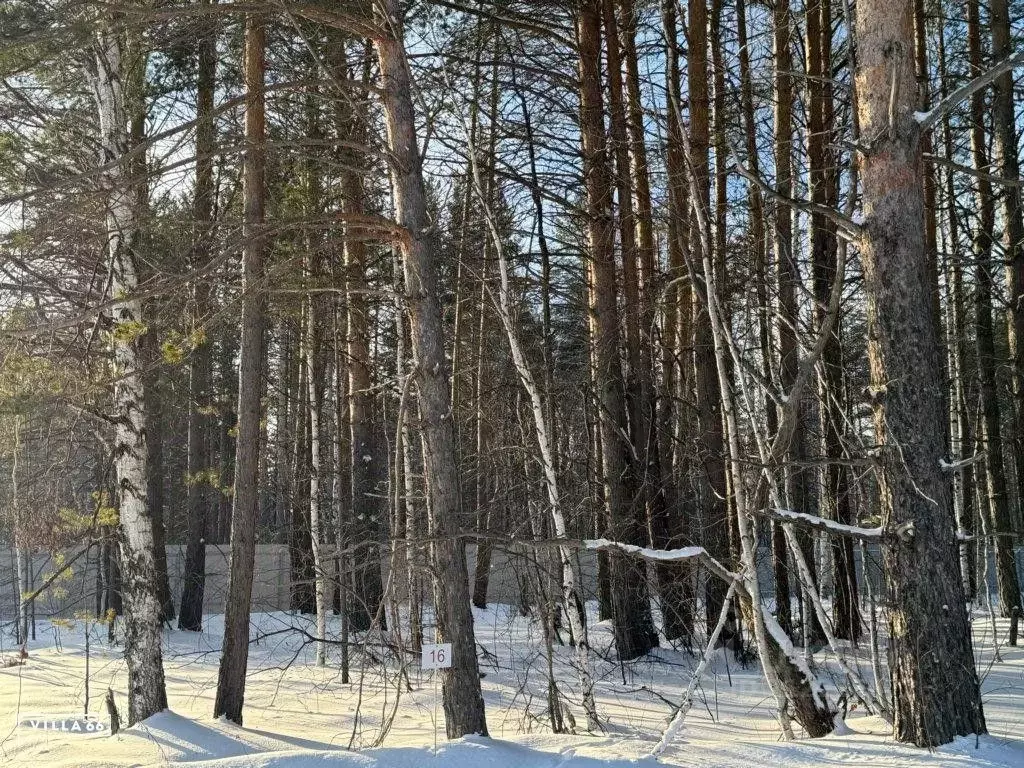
pixel 634 630
pixel 1005 125
pixel 935 690
pixel 714 530
pixel 115 60
pixel 676 316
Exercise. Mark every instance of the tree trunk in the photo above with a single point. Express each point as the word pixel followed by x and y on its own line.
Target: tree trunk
pixel 485 477
pixel 634 630
pixel 928 171
pixel 316 381
pixel 636 237
pixel 823 178
pixel 676 357
pixel 342 487
pixel 155 476
pixel 714 525
pixel 797 493
pixel 197 477
pixel 762 281
pixel 963 436
pixel 227 389
pixel 302 596
pixel 936 692
pixel 23 556
pixel 1005 127
pixel 367 456
pixel 461 695
pixel 115 62
pixel 998 506
pixel 414 518
pixel 235 650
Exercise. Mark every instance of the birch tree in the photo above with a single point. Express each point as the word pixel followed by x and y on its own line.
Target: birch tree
pixel 116 81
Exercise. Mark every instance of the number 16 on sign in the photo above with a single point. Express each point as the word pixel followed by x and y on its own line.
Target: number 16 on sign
pixel 436 656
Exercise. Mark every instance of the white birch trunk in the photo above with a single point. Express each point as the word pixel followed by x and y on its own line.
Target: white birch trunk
pixel 318 462
pixel 146 692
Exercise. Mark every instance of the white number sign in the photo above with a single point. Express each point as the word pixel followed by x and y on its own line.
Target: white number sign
pixel 437 656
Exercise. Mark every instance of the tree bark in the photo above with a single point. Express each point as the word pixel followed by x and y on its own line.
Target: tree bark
pixel 634 630
pixel 935 690
pixel 822 160
pixel 114 63
pixel 317 375
pixel 998 506
pixel 676 356
pixel 638 257
pixel 302 595
pixel 963 435
pixel 1005 128
pixel 155 475
pixel 235 650
pixel 197 477
pixel 714 525
pixel 461 695
pixel 367 457
pixel 797 494
pixel 484 475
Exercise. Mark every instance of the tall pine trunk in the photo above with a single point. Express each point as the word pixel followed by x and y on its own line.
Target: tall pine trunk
pixel 197 474
pixel 1005 127
pixel 962 431
pixel 631 616
pixel 823 178
pixel 998 502
pixel 235 649
pixel 714 524
pixel 935 689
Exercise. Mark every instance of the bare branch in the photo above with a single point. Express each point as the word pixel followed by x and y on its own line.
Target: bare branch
pixel 927 120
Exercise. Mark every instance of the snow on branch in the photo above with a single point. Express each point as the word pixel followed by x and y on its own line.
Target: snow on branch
pixel 821 523
pixel 953 466
pixel 665 555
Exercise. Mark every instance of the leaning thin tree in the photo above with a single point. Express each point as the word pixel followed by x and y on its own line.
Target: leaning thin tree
pixel 461 695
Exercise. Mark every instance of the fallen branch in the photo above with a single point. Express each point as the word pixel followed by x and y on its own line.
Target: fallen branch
pixel 676 725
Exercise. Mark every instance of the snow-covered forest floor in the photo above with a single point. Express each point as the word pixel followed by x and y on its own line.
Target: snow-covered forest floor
pixel 298 715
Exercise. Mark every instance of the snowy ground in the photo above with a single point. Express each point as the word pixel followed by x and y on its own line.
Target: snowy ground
pixel 297 715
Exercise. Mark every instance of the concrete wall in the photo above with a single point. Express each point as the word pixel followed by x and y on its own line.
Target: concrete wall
pixel 76 592
pixel 271 583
